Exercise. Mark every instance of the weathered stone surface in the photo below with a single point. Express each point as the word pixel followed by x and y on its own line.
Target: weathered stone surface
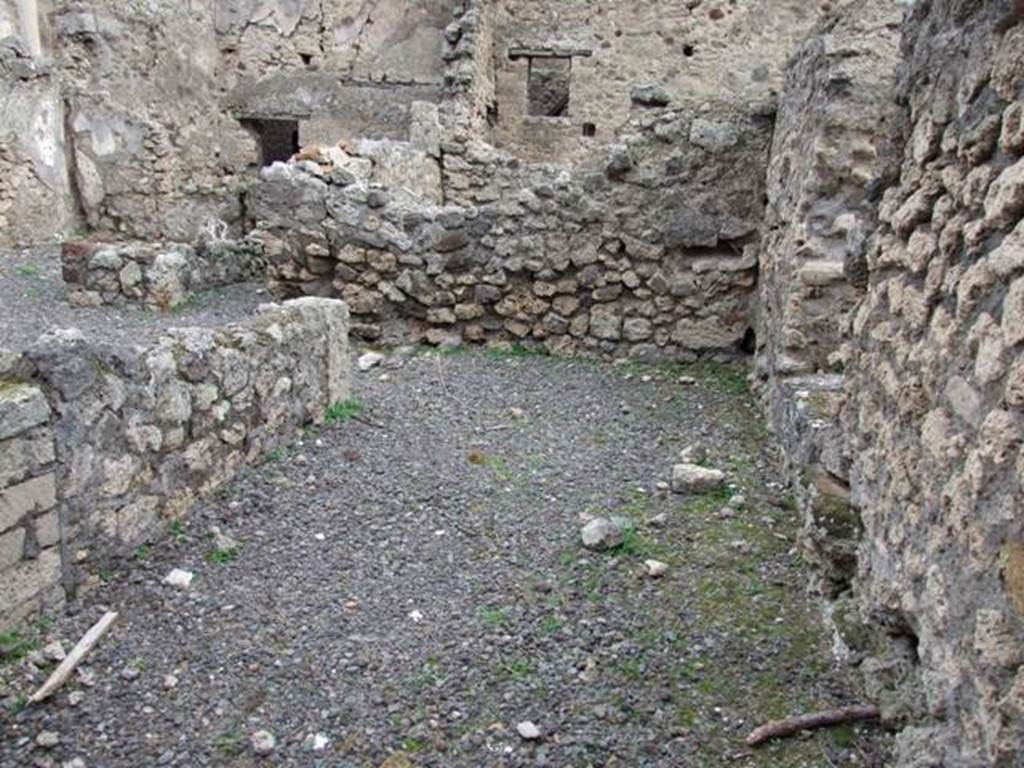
pixel 22 406
pixel 693 478
pixel 601 533
pixel 19 501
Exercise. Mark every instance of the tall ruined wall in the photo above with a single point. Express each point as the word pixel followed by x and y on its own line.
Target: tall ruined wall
pixel 36 195
pixel 720 52
pixel 152 152
pixel 935 390
pixel 129 118
pixel 836 146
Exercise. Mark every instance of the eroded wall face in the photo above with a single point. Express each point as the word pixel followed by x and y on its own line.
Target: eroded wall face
pixel 935 390
pixel 837 144
pixel 129 121
pixel 36 195
pixel 717 52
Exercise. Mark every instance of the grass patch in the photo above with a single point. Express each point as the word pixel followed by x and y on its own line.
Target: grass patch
pixel 229 743
pixel 551 624
pixel 493 617
pixel 29 271
pixel 15 646
pixel 413 745
pixel 141 552
pixel 517 667
pixel 339 413
pixel 223 556
pixel 176 528
pixel 495 463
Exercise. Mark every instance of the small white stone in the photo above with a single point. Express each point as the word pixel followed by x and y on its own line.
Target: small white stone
pixel 179 578
pixel 170 681
pixel 75 698
pixel 687 381
pixel 76 762
pixel 692 478
pixel 54 651
pixel 263 742
pixel 528 730
pixel 655 568
pixel 416 616
pixel 315 742
pixel 47 739
pixel 737 501
pixel 601 533
pixel 369 360
pixel 319 537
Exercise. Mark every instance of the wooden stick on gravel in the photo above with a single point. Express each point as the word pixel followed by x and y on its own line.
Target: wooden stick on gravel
pixel 79 652
pixel 792 725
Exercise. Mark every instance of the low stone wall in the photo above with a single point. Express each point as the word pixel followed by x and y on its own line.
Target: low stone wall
pixel 159 275
pixel 30 561
pixel 604 263
pixel 142 433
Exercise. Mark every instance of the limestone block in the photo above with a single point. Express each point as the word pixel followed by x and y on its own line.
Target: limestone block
pixel 22 406
pixel 22 455
pixel 18 501
pixel 28 579
pixel 12 546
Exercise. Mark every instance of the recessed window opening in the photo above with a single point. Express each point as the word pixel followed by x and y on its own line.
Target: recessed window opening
pixel 547 89
pixel 278 139
pixel 589 130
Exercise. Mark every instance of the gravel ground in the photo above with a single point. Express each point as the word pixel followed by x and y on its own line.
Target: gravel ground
pixel 33 301
pixel 408 587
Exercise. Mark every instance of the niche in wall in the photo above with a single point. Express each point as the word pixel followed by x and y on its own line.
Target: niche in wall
pixel 547 86
pixel 278 138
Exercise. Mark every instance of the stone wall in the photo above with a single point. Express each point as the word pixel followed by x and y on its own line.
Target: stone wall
pixel 114 441
pixel 30 559
pixel 161 276
pixel 36 196
pixel 836 147
pixel 128 121
pixel 730 53
pixel 935 387
pixel 651 255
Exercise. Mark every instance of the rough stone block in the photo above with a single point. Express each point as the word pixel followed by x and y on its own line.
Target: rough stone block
pixel 20 456
pixel 22 406
pixel 39 493
pixel 692 478
pixel 48 529
pixel 28 579
pixel 12 546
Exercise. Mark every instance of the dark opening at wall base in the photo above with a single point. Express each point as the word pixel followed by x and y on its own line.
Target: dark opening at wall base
pixel 278 139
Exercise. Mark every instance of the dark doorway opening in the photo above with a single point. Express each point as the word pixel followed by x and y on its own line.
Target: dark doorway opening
pixel 278 139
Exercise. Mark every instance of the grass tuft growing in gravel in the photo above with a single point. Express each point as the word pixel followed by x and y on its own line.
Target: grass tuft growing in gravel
pixel 223 556
pixel 339 413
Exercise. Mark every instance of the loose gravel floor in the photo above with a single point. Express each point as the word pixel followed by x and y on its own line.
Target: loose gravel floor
pixel 33 300
pixel 408 586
